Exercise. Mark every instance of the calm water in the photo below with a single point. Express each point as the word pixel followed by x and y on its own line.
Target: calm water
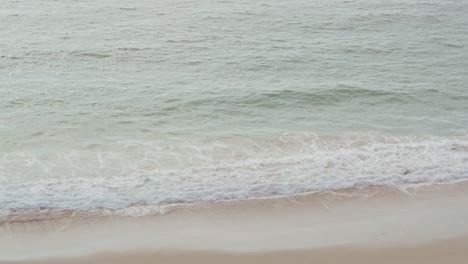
pixel 111 104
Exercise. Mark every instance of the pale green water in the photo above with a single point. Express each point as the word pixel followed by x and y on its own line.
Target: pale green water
pixel 153 102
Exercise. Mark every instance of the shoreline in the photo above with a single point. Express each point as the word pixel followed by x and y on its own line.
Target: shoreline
pixel 360 221
pixel 47 214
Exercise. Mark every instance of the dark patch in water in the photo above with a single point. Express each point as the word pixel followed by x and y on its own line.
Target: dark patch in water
pixel 95 55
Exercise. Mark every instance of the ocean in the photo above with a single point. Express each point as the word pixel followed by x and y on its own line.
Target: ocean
pixel 127 107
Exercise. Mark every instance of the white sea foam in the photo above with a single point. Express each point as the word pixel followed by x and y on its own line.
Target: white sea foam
pixel 139 174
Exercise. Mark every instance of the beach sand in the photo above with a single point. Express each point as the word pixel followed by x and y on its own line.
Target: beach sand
pixel 448 251
pixel 369 225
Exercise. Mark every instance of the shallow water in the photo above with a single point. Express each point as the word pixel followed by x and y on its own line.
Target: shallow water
pixel 110 104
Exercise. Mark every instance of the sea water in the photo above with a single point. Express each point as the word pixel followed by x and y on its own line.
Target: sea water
pixel 114 104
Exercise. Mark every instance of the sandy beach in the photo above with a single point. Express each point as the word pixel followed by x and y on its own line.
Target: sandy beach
pixel 448 251
pixel 374 224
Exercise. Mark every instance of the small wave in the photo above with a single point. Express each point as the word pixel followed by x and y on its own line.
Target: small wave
pixel 128 8
pixel 151 175
pixel 95 55
pixel 295 98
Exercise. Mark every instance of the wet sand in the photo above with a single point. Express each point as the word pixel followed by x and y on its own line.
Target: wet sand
pixel 449 251
pixel 369 225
